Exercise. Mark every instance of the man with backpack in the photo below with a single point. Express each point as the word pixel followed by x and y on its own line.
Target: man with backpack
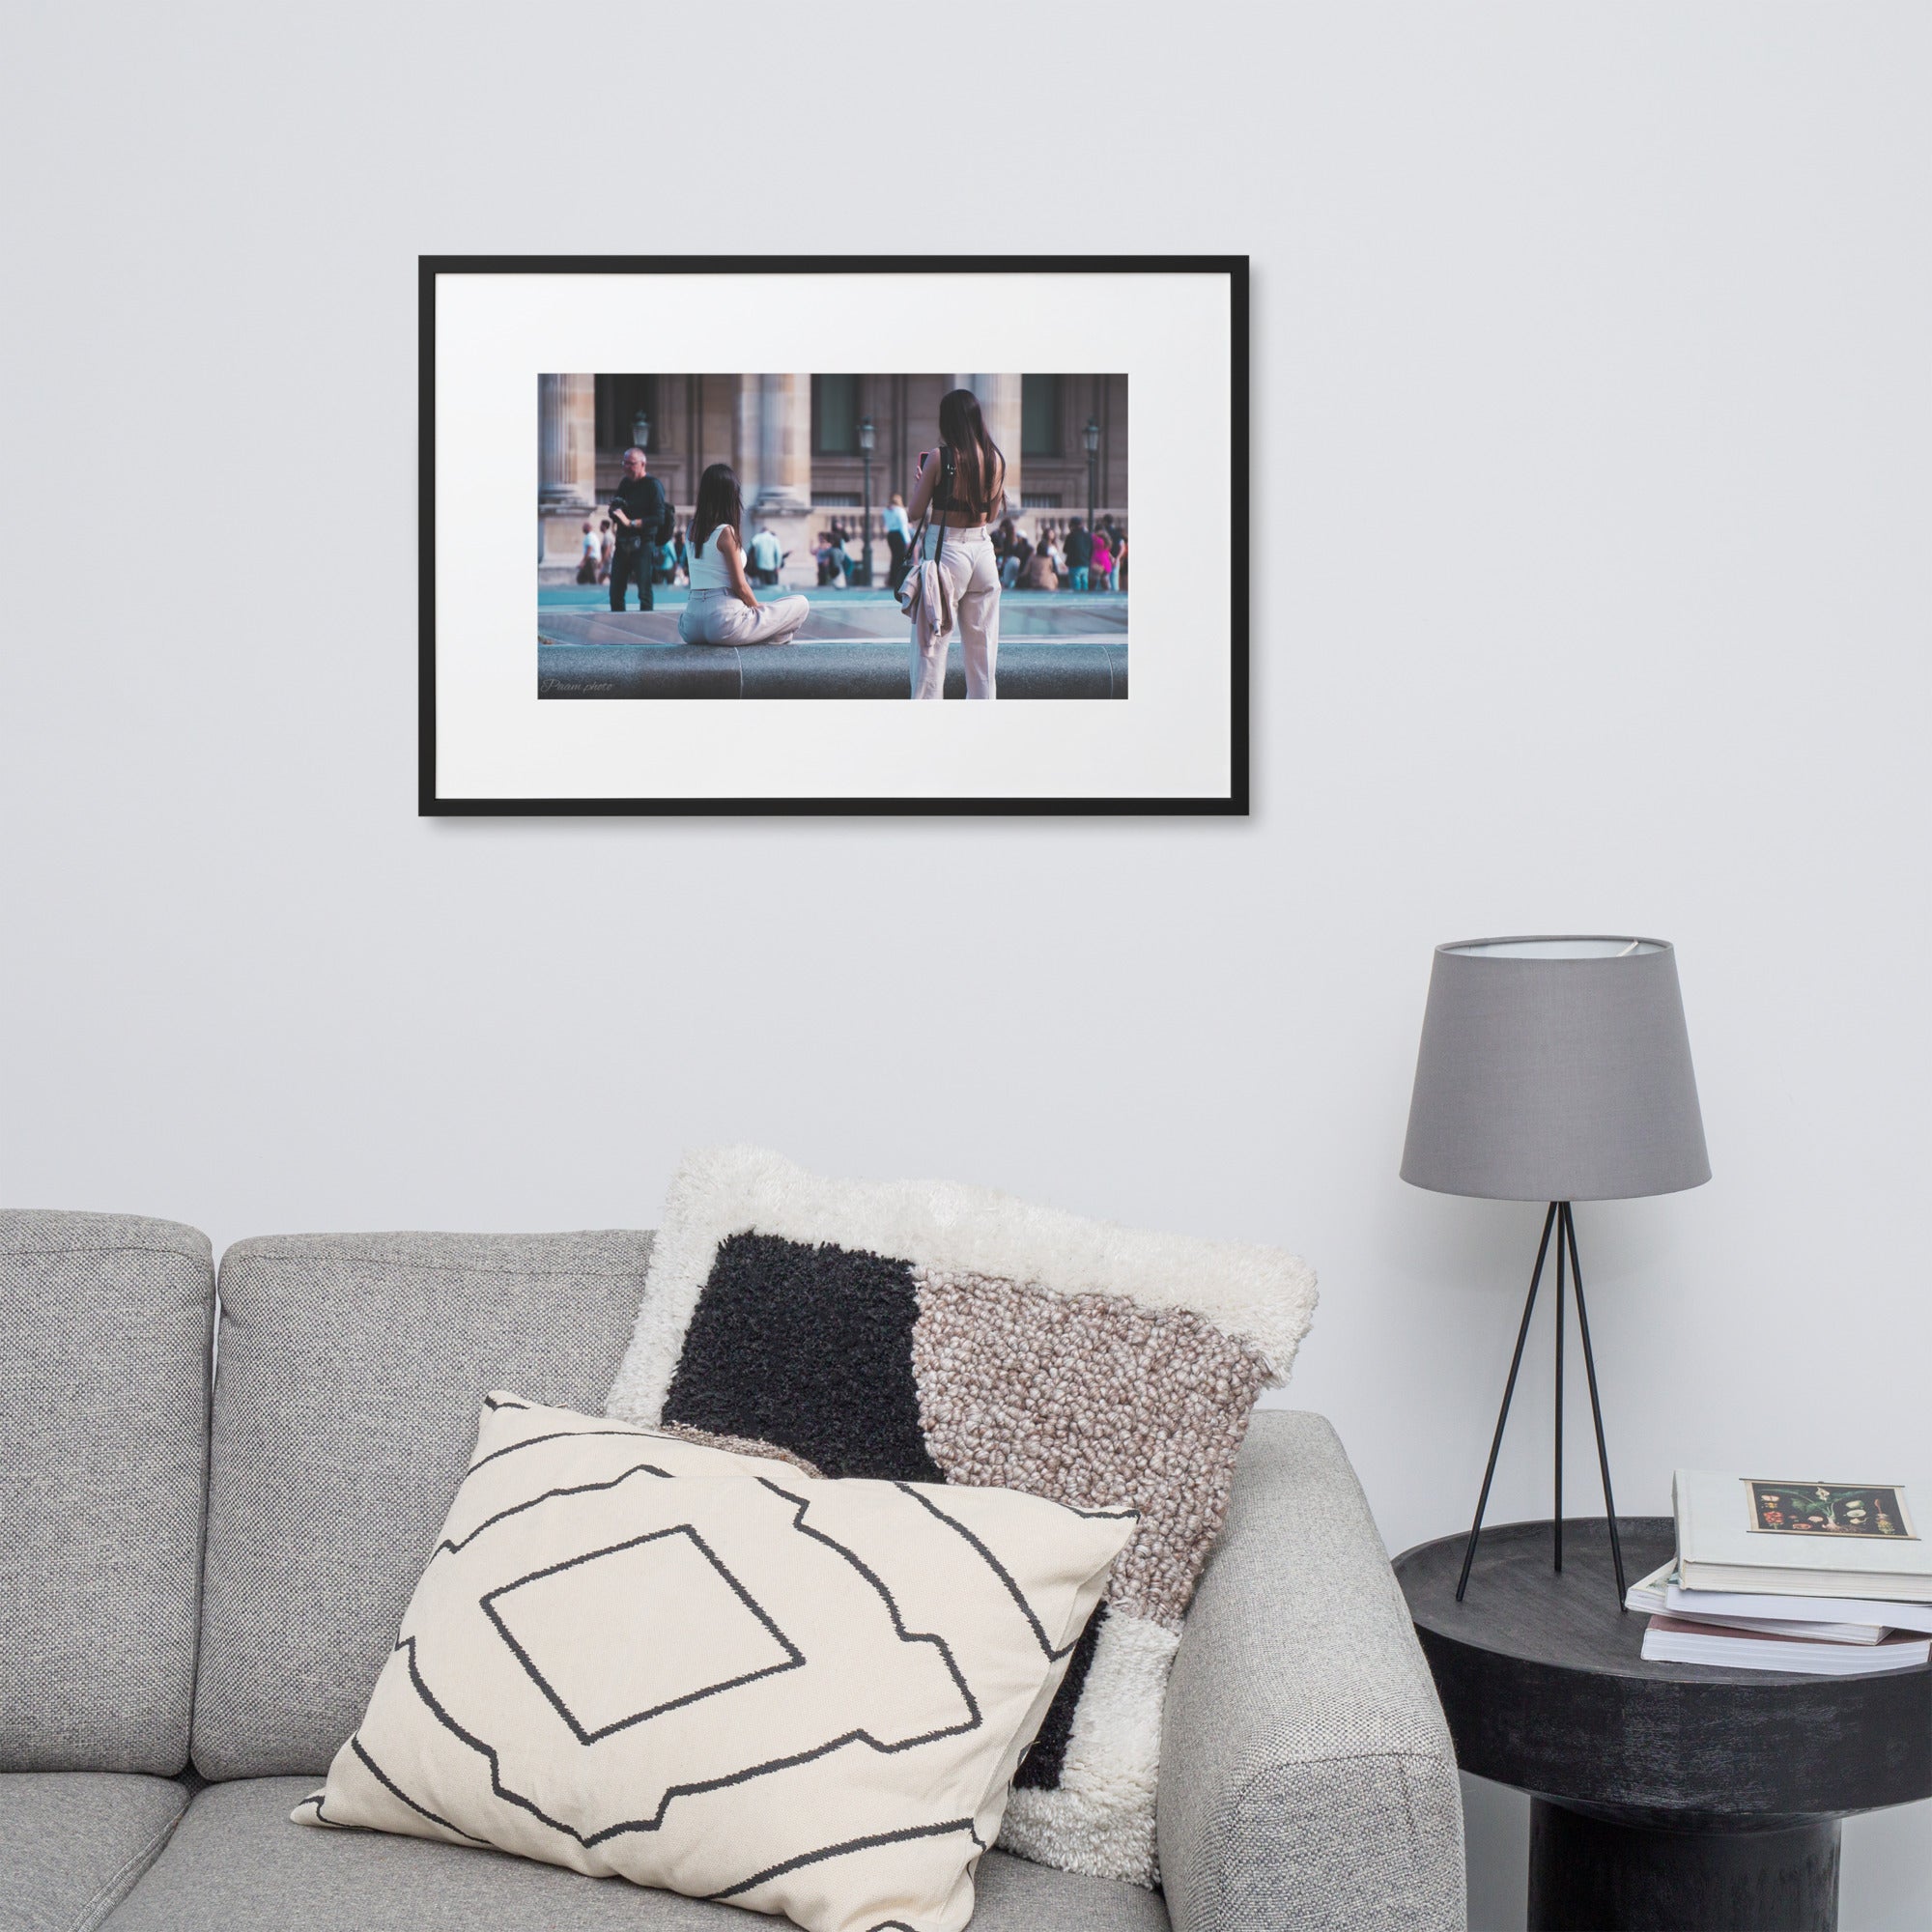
pixel 643 521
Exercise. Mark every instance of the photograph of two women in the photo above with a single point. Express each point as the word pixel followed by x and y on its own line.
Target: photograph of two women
pixel 899 535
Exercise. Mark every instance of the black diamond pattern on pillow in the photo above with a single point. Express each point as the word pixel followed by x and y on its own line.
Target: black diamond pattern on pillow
pixel 659 1585
pixel 808 1348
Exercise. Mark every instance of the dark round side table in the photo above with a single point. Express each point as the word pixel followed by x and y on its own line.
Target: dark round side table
pixel 1670 1796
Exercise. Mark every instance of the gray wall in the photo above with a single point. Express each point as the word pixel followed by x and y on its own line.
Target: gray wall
pixel 1591 511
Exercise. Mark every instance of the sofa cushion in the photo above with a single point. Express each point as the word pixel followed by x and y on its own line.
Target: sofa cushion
pixel 237 1865
pixel 351 1368
pixel 103 1409
pixel 71 1842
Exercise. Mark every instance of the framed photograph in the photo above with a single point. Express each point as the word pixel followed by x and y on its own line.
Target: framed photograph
pixel 761 504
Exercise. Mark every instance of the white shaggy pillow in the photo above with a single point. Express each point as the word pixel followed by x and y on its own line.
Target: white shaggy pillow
pixel 928 1332
pixel 639 1656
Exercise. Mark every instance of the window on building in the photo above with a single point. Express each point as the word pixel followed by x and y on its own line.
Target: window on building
pixel 620 399
pixel 1039 416
pixel 835 415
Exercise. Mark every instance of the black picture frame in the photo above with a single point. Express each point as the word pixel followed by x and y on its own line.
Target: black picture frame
pixel 1235 803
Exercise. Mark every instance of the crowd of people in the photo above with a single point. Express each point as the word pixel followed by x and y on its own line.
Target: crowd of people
pixel 640 539
pixel 1066 557
pixel 1059 557
pixel 840 555
pixel 670 562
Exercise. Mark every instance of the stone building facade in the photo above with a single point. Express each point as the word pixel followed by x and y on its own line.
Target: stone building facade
pixel 796 444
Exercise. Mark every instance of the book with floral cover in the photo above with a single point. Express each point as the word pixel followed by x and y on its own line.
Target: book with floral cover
pixel 1804 1537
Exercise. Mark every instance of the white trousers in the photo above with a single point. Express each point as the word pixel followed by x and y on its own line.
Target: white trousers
pixel 974 576
pixel 717 618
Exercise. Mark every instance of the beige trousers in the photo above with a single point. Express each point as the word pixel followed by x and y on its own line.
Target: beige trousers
pixel 717 618
pixel 974 578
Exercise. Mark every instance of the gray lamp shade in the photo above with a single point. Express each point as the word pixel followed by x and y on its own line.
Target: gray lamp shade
pixel 1555 1070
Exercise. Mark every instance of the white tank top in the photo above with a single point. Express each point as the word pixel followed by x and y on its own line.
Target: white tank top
pixel 708 569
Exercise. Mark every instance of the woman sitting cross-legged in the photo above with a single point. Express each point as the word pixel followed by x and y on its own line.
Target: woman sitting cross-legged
pixel 722 608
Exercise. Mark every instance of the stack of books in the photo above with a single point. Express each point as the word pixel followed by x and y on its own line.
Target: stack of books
pixel 1827 1579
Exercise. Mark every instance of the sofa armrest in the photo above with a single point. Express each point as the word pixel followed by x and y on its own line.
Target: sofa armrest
pixel 1307 1779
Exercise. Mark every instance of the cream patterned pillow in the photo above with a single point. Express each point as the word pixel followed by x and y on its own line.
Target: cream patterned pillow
pixel 637 1655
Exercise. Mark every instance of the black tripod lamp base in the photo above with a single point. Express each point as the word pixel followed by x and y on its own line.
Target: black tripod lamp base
pixel 1562 1224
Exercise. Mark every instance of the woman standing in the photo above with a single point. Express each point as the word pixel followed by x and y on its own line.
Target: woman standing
pixel 963 484
pixel 722 608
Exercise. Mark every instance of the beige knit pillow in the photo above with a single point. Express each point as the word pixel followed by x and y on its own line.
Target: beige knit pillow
pixel 635 1655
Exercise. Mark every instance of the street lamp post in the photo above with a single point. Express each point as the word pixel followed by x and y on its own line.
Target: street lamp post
pixel 641 435
pixel 866 436
pixel 1091 436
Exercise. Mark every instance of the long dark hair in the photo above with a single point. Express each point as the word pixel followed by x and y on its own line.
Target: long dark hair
pixel 720 501
pixel 980 480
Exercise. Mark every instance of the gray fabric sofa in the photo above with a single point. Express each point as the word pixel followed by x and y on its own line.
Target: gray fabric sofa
pixel 201 1573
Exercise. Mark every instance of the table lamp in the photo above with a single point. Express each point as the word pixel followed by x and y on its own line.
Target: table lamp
pixel 1554 1070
